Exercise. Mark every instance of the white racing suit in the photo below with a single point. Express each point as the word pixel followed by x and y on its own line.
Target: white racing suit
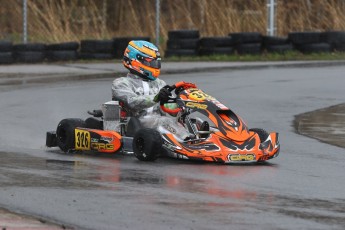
pixel 138 97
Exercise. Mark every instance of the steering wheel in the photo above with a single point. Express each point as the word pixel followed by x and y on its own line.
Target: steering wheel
pixel 178 87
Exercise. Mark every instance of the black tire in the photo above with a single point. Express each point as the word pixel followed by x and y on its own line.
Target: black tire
pixel 190 43
pixel 263 134
pixel 339 47
pixel 63 46
pixel 333 37
pixel 301 38
pixel 209 42
pixel 249 48
pixel 246 37
pixel 97 46
pixel 181 52
pixel 183 34
pixel 315 48
pixel 6 46
pixel 65 133
pixel 37 47
pixel 274 41
pixel 147 144
pixel 280 49
pixel 62 55
pixel 6 58
pixel 217 51
pixel 95 56
pixel 29 56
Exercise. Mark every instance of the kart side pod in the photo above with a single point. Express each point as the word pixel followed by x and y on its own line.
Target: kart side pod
pixel 101 136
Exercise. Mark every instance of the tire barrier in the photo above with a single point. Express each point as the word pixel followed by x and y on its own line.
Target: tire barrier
pixel 254 43
pixel 29 53
pixel 247 43
pixel 6 55
pixel 67 51
pixel 309 42
pixel 6 58
pixel 216 46
pixel 273 44
pixel 182 43
pixel 336 39
pixel 96 49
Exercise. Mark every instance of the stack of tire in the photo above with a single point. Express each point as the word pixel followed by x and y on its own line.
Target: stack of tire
pixel 96 49
pixel 67 51
pixel 273 44
pixel 120 44
pixel 216 46
pixel 336 39
pixel 6 55
pixel 247 42
pixel 309 42
pixel 182 43
pixel 29 53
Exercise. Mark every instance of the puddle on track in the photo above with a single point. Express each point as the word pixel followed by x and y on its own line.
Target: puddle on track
pixel 326 125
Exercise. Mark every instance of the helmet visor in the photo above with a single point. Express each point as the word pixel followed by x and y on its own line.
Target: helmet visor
pixel 154 63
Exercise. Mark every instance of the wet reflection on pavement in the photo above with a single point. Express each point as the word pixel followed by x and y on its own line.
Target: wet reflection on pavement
pixel 327 125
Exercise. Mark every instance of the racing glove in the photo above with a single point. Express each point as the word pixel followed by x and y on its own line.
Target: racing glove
pixel 163 95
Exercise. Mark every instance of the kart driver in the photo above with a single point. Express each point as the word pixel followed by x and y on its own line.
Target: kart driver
pixel 141 89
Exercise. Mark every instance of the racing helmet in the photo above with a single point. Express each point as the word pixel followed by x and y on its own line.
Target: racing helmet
pixel 143 59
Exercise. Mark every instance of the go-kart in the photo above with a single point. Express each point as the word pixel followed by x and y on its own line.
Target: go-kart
pixel 217 133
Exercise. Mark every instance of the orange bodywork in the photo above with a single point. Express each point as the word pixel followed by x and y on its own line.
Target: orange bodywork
pixel 99 140
pixel 221 152
pixel 232 142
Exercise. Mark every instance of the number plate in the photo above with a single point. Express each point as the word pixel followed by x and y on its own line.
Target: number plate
pixel 82 139
pixel 240 157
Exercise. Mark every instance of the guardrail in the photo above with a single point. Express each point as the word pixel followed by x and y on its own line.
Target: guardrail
pixel 180 43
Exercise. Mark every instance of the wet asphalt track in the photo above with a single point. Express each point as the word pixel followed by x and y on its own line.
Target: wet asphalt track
pixel 301 189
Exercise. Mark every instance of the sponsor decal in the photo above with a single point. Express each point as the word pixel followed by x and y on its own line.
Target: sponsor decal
pixel 241 157
pixel 218 104
pixel 106 139
pixel 196 105
pixel 94 139
pixel 102 146
pixel 82 139
pixel 167 144
pixel 169 128
pixel 207 147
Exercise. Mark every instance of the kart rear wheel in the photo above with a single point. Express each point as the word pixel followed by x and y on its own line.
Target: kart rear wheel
pixel 263 134
pixel 147 144
pixel 65 133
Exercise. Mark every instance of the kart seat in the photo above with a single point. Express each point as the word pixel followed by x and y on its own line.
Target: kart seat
pixel 133 126
pixel 94 123
pixel 204 129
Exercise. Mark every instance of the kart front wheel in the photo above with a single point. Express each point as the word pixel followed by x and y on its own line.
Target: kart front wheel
pixel 147 144
pixel 65 133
